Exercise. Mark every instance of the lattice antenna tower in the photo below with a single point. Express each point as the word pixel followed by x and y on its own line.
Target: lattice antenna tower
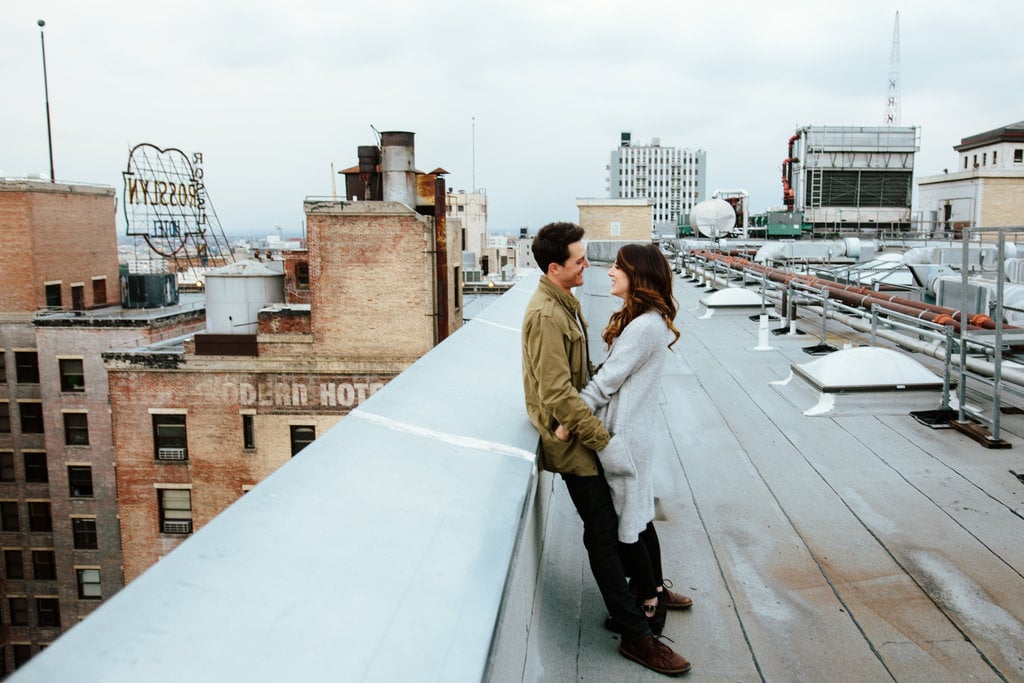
pixel 892 103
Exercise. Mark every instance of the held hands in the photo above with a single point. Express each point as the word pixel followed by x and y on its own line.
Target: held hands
pixel 561 433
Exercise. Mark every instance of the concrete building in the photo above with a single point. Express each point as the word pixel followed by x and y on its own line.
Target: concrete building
pixel 984 189
pixel 59 310
pixel 467 215
pixel 199 423
pixel 616 219
pixel 851 178
pixel 673 179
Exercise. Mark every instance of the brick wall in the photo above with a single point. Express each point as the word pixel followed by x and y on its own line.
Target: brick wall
pixel 1002 202
pixel 218 467
pixel 56 233
pixel 634 221
pixel 370 279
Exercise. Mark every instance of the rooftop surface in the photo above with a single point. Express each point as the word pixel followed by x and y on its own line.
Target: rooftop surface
pixel 855 546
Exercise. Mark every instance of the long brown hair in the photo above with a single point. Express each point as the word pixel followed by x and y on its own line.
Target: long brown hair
pixel 650 286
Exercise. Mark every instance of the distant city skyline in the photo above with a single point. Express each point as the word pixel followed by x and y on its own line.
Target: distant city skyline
pixel 525 100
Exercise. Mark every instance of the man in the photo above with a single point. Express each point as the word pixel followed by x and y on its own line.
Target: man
pixel 556 365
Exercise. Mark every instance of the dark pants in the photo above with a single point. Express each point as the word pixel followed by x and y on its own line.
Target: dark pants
pixel 642 562
pixel 593 502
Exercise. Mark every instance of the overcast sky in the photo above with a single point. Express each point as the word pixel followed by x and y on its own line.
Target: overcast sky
pixel 524 99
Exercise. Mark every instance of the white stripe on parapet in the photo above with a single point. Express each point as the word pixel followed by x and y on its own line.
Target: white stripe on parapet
pixel 445 437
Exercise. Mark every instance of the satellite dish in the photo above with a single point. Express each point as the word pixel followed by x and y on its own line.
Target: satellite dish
pixel 713 217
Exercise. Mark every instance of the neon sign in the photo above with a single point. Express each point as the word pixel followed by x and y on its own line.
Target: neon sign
pixel 165 198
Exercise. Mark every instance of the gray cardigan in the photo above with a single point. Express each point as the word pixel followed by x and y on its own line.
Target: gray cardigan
pixel 623 395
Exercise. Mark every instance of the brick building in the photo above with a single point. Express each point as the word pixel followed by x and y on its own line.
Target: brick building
pixel 59 310
pixel 616 219
pixel 197 426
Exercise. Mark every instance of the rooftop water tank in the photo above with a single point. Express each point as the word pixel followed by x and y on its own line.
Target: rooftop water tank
pixel 235 294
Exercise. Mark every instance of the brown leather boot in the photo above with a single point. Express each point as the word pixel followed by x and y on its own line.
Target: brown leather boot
pixel 655 655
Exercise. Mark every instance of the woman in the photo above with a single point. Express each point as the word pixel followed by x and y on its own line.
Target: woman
pixel 639 337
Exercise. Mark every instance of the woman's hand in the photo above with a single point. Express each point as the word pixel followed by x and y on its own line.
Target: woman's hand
pixel 561 433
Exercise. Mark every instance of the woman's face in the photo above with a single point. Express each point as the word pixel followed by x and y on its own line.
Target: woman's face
pixel 620 281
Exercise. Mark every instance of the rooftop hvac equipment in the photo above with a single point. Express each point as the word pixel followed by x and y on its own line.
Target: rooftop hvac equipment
pixel 713 217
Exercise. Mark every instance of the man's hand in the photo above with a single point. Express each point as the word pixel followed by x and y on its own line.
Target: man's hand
pixel 561 433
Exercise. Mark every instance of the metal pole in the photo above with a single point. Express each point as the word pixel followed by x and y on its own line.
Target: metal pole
pixel 46 93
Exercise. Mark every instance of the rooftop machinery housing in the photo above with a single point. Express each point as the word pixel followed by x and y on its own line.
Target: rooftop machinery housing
pixel 851 178
pixel 674 179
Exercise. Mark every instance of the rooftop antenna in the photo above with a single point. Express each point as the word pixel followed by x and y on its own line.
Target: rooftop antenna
pixel 46 93
pixel 892 104
pixel 474 154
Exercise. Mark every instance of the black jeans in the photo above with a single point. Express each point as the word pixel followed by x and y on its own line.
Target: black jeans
pixel 642 562
pixel 593 502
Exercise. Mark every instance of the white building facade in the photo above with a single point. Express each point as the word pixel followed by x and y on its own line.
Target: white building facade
pixel 673 179
pixel 986 189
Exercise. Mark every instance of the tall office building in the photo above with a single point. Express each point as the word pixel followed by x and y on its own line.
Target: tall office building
pixel 673 179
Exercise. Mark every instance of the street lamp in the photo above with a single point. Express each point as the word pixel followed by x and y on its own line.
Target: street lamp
pixel 46 92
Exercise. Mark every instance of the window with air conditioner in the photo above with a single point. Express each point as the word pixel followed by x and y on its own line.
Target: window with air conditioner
pixel 170 438
pixel 175 511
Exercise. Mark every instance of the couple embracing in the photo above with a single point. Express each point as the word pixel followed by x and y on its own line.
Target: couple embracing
pixel 596 427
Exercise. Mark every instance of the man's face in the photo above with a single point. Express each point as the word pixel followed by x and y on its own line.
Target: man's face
pixel 570 274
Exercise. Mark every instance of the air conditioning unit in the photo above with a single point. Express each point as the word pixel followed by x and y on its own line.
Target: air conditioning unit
pixel 177 527
pixel 171 454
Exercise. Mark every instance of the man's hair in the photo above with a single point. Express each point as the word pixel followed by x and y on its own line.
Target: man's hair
pixel 551 245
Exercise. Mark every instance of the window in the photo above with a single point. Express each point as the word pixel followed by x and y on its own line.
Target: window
pixel 14 569
pixel 9 520
pixel 3 370
pixel 302 436
pixel 99 291
pixel 616 228
pixel 89 584
pixel 48 611
pixel 31 417
pixel 53 295
pixel 44 565
pixel 5 417
pixel 248 432
pixel 1018 156
pixel 26 367
pixel 72 376
pixel 83 530
pixel 995 155
pixel 78 297
pixel 22 651
pixel 170 439
pixel 35 467
pixel 19 611
pixel 6 465
pixel 302 275
pixel 39 518
pixel 175 511
pixel 80 481
pixel 76 429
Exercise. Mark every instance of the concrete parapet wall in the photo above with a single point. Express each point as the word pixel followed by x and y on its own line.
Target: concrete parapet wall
pixel 402 544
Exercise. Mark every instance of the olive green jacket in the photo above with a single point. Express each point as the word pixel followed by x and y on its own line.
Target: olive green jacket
pixel 555 367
